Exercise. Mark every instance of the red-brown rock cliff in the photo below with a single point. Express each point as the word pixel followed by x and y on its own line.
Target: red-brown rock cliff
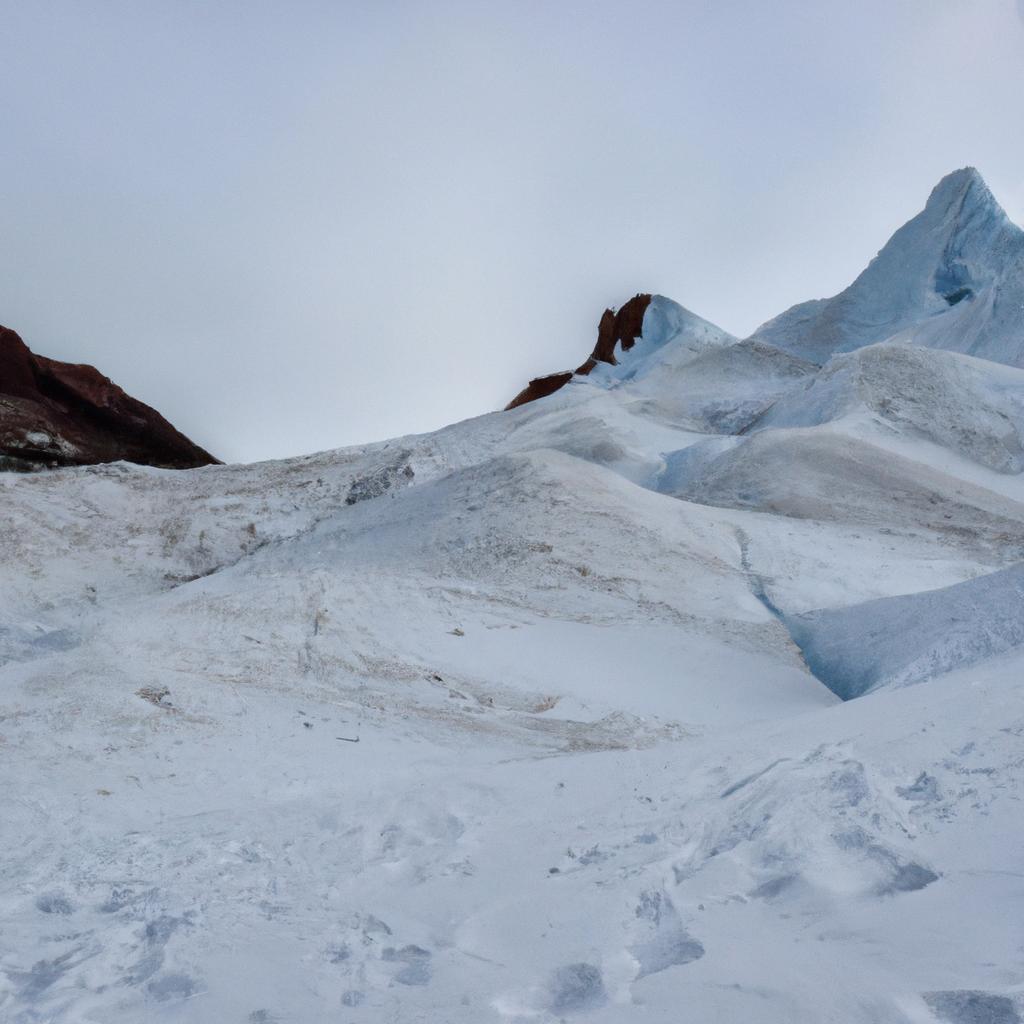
pixel 67 414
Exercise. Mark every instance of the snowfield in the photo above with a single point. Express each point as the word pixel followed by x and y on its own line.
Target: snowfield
pixel 691 692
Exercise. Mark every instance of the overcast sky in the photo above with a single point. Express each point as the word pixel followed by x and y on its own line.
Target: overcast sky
pixel 295 225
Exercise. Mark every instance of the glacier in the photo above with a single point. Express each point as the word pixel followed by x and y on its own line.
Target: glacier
pixel 691 691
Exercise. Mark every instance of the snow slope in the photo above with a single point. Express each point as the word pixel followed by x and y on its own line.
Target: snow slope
pixel 970 406
pixel 542 716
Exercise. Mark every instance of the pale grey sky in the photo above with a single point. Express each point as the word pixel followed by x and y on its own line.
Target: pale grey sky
pixel 296 225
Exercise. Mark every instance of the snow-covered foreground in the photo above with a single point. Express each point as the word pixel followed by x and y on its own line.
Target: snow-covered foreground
pixel 229 858
pixel 517 721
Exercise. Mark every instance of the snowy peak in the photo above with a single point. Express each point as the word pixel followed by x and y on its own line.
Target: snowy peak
pixel 670 334
pixel 955 187
pixel 963 192
pixel 960 236
pixel 937 281
pixel 628 340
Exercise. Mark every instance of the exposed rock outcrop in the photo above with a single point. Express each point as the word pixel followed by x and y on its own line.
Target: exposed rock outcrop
pixel 541 387
pixel 619 329
pixel 68 414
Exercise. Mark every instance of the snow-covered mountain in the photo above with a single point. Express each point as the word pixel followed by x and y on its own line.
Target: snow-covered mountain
pixel 549 715
pixel 951 278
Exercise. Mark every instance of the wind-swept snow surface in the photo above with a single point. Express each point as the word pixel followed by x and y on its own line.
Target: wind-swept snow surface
pixel 550 715
pixel 970 406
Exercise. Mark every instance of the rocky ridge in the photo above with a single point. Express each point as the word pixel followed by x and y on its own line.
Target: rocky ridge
pixel 617 330
pixel 69 414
